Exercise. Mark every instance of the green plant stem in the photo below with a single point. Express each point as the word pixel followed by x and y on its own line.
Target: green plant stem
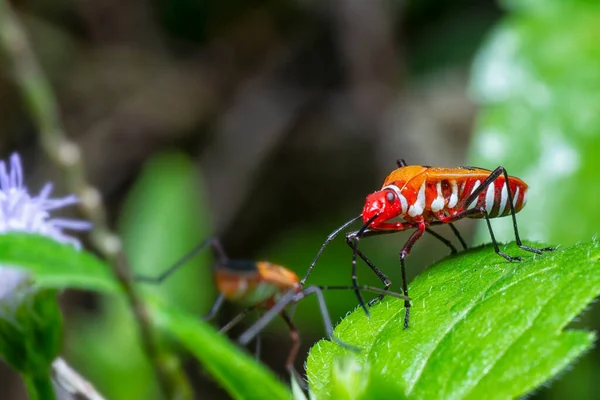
pixel 39 387
pixel 40 100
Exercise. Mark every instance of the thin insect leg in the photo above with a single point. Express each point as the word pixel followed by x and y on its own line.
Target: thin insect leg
pixel 325 315
pixel 403 254
pixel 514 218
pixel 486 182
pixel 258 344
pixel 482 211
pixel 295 336
pixel 366 288
pixel 384 279
pixel 331 236
pixel 355 240
pixel 458 235
pixel 361 302
pixel 236 320
pixel 442 239
pixel 263 321
pixel 484 185
pixel 401 163
pixel 213 242
pixel 214 309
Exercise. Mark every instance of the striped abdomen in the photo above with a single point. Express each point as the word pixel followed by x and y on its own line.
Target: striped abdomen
pixel 438 195
pixel 494 199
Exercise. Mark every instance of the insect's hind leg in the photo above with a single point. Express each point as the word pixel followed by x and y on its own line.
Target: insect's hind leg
pixel 443 240
pixel 514 217
pixel 480 210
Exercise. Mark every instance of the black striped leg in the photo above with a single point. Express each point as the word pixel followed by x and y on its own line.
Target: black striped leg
pixel 484 185
pixel 331 236
pixel 212 242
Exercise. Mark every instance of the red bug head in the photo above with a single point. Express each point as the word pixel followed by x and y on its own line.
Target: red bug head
pixel 384 205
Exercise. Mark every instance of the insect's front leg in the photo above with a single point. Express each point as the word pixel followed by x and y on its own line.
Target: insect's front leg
pixel 383 277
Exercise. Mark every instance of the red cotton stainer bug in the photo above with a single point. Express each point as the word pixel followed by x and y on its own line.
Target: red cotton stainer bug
pixel 263 286
pixel 422 196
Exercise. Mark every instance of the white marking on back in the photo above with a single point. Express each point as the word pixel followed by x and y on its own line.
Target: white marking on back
pixel 419 205
pixel 454 195
pixel 261 292
pixel 474 202
pixel 524 199
pixel 438 203
pixel 503 199
pixel 515 197
pixel 402 199
pixel 490 193
pixel 241 290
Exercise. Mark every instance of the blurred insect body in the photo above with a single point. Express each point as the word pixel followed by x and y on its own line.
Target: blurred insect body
pixel 422 196
pixel 264 286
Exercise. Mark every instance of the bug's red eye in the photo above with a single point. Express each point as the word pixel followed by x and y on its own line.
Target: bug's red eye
pixel 390 197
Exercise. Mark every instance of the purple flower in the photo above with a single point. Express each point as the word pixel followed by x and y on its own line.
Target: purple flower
pixel 20 211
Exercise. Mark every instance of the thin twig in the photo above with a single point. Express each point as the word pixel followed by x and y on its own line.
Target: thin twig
pixel 43 108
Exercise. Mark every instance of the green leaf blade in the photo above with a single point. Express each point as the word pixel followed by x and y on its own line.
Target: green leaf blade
pixel 478 325
pixel 241 375
pixel 56 265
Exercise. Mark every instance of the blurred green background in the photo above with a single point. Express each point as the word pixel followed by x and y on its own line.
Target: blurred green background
pixel 268 122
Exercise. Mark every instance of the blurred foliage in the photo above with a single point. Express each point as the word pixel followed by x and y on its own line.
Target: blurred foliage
pixel 55 265
pixel 481 327
pixel 538 80
pixel 170 194
pixel 240 374
pixel 236 371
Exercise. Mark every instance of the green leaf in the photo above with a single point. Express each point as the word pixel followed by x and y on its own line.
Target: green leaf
pixel 30 331
pixel 55 265
pixel 538 81
pixel 240 374
pixel 480 326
